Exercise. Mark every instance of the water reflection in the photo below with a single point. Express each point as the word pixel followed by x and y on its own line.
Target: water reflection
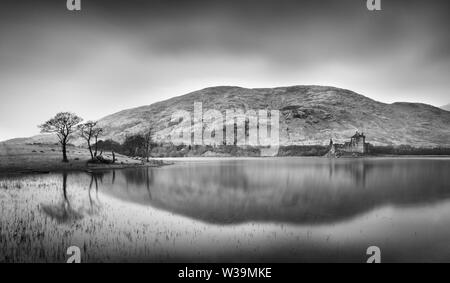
pixel 94 205
pixel 62 212
pixel 111 213
pixel 139 178
pixel 299 191
pixel 354 171
pixel 68 209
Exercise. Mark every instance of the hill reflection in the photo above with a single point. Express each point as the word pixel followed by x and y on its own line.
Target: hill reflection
pixel 299 191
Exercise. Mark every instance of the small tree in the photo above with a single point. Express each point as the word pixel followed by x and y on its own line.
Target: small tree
pixel 148 142
pixel 133 144
pixel 63 125
pixel 87 132
pixel 110 145
pixel 96 133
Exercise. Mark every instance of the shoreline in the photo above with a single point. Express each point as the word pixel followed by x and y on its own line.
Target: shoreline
pixel 157 162
pixel 88 169
pixel 45 159
pixel 205 158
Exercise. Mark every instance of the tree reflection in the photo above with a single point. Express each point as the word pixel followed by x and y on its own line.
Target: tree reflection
pixel 149 181
pixel 94 206
pixel 140 178
pixel 62 212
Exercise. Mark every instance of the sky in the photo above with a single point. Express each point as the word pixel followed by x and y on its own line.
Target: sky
pixel 114 55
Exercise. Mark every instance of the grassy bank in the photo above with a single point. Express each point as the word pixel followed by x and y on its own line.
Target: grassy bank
pixel 27 158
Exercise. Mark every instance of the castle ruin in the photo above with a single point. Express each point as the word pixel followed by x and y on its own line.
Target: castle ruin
pixel 356 146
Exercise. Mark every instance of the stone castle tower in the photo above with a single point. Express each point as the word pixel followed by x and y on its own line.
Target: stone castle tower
pixel 356 146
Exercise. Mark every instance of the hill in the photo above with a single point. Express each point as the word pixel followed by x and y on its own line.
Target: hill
pixel 309 115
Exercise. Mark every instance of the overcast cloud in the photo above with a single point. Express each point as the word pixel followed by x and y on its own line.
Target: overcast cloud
pixel 115 55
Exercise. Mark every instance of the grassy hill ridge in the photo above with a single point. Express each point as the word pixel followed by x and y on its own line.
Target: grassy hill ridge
pixel 309 115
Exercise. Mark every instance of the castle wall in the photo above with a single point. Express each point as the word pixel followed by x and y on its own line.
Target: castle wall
pixel 357 145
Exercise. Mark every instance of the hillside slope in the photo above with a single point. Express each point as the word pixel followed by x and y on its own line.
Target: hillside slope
pixel 308 115
pixel 446 107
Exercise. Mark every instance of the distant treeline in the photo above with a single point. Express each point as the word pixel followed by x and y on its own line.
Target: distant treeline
pixel 303 150
pixel 320 150
pixel 135 146
pixel 408 150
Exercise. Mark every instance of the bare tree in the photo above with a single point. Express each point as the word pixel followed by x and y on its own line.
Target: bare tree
pixel 87 131
pixel 64 125
pixel 97 131
pixel 148 142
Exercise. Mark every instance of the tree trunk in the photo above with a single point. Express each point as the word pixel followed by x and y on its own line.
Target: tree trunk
pixel 96 146
pixel 64 152
pixel 90 150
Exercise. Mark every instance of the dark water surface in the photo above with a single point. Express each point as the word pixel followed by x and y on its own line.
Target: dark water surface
pixel 280 209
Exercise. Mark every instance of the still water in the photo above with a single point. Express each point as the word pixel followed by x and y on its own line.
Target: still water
pixel 274 209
